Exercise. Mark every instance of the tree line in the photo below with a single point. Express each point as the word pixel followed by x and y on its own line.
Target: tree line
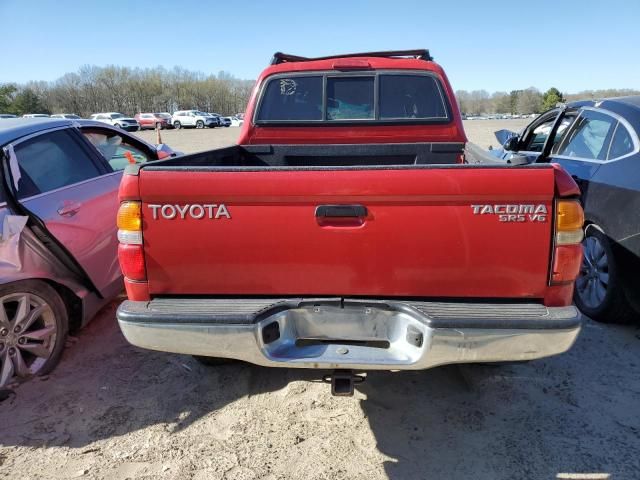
pixel 530 100
pixel 132 90
pixel 127 90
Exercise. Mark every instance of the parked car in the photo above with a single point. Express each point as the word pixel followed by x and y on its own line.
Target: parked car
pixel 58 257
pixel 167 117
pixel 236 122
pixel 35 115
pixel 193 118
pixel 6 115
pixel 318 240
pixel 117 120
pixel 68 116
pixel 152 120
pixel 225 121
pixel 597 143
pixel 217 118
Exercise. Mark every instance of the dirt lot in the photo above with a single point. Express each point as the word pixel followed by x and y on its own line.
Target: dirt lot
pixel 191 140
pixel 114 411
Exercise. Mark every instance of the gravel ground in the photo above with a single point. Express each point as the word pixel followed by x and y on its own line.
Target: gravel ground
pixel 114 411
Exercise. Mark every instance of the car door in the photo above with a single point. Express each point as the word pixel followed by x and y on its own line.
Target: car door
pixel 74 193
pixel 585 146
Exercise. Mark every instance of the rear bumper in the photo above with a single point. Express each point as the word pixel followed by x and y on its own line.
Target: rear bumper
pixel 354 334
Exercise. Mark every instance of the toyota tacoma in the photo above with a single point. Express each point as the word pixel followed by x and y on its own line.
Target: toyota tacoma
pixel 346 232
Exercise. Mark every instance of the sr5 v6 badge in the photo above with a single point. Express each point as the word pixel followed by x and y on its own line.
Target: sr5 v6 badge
pixel 196 211
pixel 514 212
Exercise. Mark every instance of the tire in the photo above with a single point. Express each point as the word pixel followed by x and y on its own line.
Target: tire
pixel 212 361
pixel 177 125
pixel 199 124
pixel 117 125
pixel 598 290
pixel 37 349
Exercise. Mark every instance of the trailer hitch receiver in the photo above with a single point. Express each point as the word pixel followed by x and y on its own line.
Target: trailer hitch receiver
pixel 343 382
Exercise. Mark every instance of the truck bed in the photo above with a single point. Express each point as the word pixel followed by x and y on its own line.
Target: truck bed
pixel 381 154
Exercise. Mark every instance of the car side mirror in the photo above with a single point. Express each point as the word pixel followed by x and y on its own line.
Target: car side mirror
pixel 512 144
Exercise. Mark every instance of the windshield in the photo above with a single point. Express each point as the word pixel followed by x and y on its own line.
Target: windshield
pixel 117 115
pixel 72 117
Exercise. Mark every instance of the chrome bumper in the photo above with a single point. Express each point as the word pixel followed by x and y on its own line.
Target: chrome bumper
pixel 350 334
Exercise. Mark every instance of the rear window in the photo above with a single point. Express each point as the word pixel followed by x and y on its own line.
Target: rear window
pixel 296 98
pixel 415 96
pixel 352 97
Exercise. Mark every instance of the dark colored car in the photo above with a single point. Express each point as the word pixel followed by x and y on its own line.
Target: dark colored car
pixel 153 120
pixel 58 261
pixel 597 143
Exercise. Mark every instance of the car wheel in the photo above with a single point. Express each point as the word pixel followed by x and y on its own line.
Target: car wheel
pixel 598 292
pixel 33 330
pixel 199 124
pixel 117 125
pixel 177 125
pixel 212 361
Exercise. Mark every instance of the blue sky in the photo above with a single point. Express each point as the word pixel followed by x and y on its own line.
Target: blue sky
pixel 494 45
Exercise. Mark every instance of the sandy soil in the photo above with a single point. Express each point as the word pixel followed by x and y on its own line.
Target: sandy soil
pixel 114 411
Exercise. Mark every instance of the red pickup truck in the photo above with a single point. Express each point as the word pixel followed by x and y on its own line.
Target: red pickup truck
pixel 344 231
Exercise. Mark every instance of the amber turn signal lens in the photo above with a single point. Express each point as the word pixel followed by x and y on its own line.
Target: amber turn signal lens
pixel 129 216
pixel 569 216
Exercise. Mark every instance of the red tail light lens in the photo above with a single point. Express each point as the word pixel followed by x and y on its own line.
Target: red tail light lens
pixel 566 263
pixel 131 259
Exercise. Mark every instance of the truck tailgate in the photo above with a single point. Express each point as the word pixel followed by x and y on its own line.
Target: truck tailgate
pixel 408 232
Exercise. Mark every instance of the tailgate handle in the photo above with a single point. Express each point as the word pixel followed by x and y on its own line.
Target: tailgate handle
pixel 341 211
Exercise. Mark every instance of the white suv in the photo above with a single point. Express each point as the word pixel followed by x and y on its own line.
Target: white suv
pixel 192 118
pixel 117 120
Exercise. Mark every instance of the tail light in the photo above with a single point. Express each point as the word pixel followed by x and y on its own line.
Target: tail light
pixel 130 250
pixel 131 259
pixel 567 253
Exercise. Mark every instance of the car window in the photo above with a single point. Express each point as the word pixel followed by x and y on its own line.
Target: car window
pixel 410 96
pixel 116 150
pixel 350 98
pixel 52 161
pixel 538 136
pixel 621 144
pixel 298 98
pixel 590 136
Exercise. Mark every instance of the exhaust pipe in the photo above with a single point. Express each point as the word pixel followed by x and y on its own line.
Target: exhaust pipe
pixel 343 382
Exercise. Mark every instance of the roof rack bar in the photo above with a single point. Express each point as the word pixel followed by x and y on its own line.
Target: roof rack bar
pixel 420 54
